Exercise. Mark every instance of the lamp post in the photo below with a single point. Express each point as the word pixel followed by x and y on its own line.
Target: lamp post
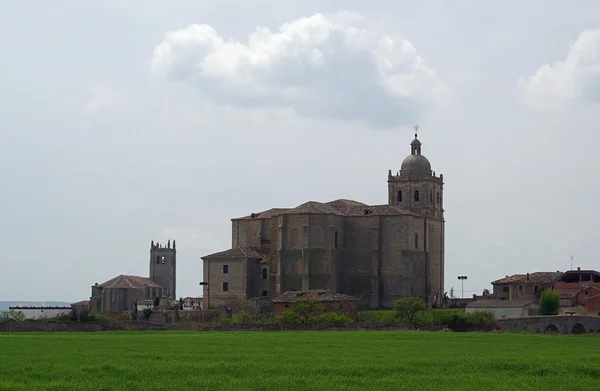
pixel 462 284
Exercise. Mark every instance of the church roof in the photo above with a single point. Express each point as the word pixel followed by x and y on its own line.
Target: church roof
pixel 123 281
pixel 315 207
pixel 378 210
pixel 239 252
pixel 340 207
pixel 343 205
pixel 267 214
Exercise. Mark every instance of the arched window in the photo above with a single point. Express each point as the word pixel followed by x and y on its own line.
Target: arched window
pixel 399 196
pixel 158 259
pixel 417 195
pixel 431 196
pixel 416 240
pixel 438 197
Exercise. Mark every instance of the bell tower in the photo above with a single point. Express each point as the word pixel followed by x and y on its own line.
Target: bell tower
pixel 163 266
pixel 416 188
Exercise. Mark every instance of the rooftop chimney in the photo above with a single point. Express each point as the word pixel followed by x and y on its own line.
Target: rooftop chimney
pixel 578 268
pixel 527 276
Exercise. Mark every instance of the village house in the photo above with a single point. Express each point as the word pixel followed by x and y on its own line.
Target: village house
pixel 527 286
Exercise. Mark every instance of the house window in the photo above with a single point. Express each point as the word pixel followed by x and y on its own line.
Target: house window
pixel 225 269
pixel 521 288
pixel 335 239
pixel 504 289
pixel 225 287
pixel 264 274
pixel 265 293
pixel 287 306
pixel 416 195
pixel 416 240
pixel 399 196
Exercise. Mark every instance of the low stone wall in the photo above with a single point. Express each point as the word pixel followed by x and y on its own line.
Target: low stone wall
pixel 140 325
pixel 47 326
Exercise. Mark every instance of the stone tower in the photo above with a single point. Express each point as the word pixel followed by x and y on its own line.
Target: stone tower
pixel 416 188
pixel 163 266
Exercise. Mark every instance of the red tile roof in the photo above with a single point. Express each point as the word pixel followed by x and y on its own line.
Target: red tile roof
pixel 320 295
pixel 240 252
pixel 123 281
pixel 533 277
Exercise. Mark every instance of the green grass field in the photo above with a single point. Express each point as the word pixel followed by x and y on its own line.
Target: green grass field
pixel 298 361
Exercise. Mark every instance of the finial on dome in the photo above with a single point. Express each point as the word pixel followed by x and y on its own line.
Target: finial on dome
pixel 416 128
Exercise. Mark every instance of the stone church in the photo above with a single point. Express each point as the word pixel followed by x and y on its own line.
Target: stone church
pixel 377 253
pixel 121 292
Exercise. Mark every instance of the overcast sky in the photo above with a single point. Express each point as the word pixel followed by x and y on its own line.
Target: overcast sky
pixel 123 122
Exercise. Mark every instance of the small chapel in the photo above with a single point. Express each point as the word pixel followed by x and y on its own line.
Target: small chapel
pixel 375 253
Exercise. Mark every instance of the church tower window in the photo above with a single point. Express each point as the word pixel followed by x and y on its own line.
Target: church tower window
pixel 399 196
pixel 416 195
pixel 431 196
pixel 438 197
pixel 416 240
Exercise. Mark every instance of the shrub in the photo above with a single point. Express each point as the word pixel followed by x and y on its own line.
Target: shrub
pixel 407 308
pixel 147 312
pixel 289 317
pixel 156 301
pixel 12 315
pixel 549 302
pixel 333 319
pixel 246 318
pixel 478 320
pixel 307 308
pixel 224 321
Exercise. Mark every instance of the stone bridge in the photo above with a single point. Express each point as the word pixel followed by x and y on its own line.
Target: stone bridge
pixel 575 324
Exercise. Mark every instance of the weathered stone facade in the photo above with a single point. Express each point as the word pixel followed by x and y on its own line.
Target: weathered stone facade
pixel 378 253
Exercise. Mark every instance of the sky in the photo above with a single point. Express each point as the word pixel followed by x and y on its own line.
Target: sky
pixel 124 122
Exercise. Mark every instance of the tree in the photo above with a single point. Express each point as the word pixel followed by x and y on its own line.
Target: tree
pixel 181 303
pixel 549 302
pixel 12 315
pixel 406 309
pixel 452 293
pixel 306 308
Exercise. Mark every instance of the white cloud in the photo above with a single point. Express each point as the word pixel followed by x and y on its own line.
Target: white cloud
pixel 576 78
pixel 334 66
pixel 102 96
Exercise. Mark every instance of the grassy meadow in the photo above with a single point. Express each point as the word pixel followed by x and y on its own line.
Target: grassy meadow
pixel 350 360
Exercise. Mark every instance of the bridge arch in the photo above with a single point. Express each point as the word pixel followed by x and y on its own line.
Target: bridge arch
pixel 578 329
pixel 551 329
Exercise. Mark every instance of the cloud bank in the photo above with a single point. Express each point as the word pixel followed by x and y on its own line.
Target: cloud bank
pixel 575 79
pixel 334 66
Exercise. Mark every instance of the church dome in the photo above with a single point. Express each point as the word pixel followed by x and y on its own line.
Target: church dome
pixel 416 163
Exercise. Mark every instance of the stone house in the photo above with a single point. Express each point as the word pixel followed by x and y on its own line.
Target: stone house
pixel 331 301
pixel 523 286
pixel 378 253
pixel 120 293
pixel 504 308
pixel 592 304
pixel 571 282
